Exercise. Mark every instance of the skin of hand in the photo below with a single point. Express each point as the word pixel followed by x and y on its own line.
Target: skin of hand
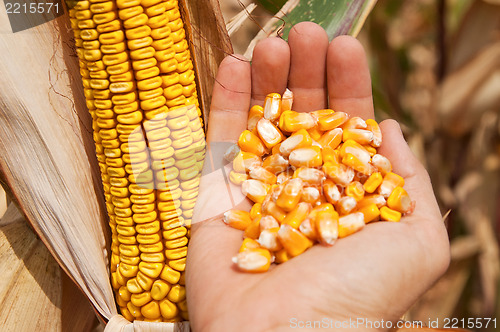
pixel 375 274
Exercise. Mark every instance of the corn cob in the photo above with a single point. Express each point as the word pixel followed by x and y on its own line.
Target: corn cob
pixel 314 177
pixel 140 89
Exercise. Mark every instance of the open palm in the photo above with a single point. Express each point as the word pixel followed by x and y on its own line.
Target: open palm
pixel 374 274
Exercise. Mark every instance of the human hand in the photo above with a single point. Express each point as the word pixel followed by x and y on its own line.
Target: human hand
pixel 374 274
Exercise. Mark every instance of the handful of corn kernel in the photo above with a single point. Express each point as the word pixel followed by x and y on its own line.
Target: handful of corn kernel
pixel 313 177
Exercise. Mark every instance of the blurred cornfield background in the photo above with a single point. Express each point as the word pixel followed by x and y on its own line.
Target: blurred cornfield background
pixel 435 68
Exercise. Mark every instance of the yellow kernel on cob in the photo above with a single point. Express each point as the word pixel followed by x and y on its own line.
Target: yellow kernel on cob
pixel 237 219
pixel 370 212
pixel 399 200
pixel 371 184
pixel 389 214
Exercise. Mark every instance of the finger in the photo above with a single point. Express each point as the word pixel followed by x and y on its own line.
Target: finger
pixel 270 64
pixel 404 163
pixel 348 76
pixel 230 100
pixel 308 45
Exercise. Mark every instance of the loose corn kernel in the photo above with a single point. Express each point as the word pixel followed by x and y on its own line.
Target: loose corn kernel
pixel 355 123
pixel 253 230
pixel 272 106
pixel 309 176
pixel 256 211
pixel 268 222
pixel 254 115
pixel 291 121
pixel 297 215
pixel 268 239
pixel 382 164
pixel 290 195
pixel 268 133
pixel 262 174
pixel 339 173
pixel 254 260
pixel 326 224
pixel 351 223
pixel 331 191
pixel 390 182
pixel 345 205
pixel 293 241
pixel 331 121
pixel 310 195
pixel 271 208
pixel 307 228
pixel 361 136
pixel 315 133
pixel 275 163
pixel 389 214
pixel 355 190
pixel 371 184
pixel 255 190
pixel 237 219
pixel 244 160
pixel 299 139
pixel 237 178
pixel 331 138
pixel 370 212
pixel 250 142
pixel 376 199
pixel 306 157
pixel 356 149
pixel 373 126
pixel 281 256
pixel 353 162
pixel 249 244
pixel 287 100
pixel 399 200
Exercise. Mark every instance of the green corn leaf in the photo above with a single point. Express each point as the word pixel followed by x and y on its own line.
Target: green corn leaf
pixel 337 17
